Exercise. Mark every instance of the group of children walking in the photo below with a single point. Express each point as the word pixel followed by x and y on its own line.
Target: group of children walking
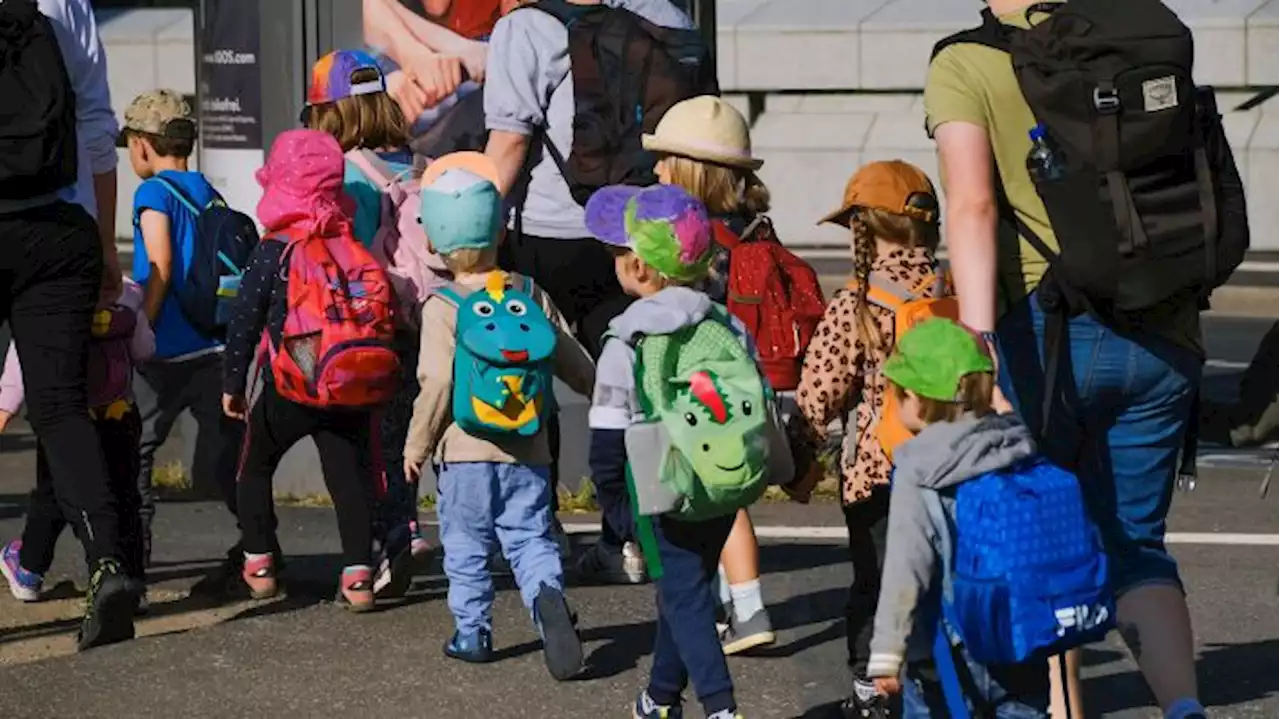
pixel 396 345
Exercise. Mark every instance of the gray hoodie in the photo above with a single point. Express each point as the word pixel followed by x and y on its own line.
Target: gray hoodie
pixel 614 403
pixel 942 456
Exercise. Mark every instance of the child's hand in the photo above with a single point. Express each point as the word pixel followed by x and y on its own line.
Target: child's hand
pixel 888 686
pixel 234 406
pixel 999 402
pixel 4 419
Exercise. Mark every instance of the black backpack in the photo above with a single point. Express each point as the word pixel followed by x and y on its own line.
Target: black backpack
pixel 224 240
pixel 1149 214
pixel 38 154
pixel 627 72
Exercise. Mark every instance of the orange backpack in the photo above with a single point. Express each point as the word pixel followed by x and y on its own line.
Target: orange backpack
pixel 929 298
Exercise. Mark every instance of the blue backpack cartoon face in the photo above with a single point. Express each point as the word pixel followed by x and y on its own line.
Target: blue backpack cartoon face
pixel 502 379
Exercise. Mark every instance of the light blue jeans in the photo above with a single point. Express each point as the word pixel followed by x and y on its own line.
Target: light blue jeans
pixel 1118 423
pixel 481 503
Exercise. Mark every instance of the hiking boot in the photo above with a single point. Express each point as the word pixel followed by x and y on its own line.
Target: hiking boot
pixel 739 637
pixel 647 708
pixel 561 646
pixel 355 591
pixel 259 575
pixel 865 702
pixel 474 648
pixel 608 564
pixel 23 585
pixel 108 606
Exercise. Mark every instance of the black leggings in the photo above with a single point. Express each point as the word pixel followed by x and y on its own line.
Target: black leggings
pixel 342 439
pixel 50 275
pixel 868 525
pixel 47 515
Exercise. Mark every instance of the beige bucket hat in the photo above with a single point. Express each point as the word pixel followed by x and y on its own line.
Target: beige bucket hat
pixel 704 128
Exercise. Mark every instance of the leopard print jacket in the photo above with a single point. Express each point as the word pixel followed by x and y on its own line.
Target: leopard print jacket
pixel 841 375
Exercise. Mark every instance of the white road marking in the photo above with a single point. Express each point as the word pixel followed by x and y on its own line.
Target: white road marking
pixel 828 533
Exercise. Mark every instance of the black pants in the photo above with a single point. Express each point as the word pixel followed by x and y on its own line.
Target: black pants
pixel 868 525
pixel 579 276
pixel 164 390
pixel 50 275
pixel 47 515
pixel 342 438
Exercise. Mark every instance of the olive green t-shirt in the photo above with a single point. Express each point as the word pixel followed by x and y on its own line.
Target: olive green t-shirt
pixel 976 84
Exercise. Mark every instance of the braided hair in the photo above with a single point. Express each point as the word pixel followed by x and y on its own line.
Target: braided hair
pixel 868 225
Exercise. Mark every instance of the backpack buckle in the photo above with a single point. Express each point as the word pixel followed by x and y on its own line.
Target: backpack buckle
pixel 1106 101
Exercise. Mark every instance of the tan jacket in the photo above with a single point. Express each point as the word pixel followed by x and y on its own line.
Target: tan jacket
pixel 432 431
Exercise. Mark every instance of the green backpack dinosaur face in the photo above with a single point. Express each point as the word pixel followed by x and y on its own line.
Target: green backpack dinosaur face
pixel 712 402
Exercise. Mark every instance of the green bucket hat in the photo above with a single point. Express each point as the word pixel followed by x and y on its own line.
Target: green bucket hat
pixel 931 358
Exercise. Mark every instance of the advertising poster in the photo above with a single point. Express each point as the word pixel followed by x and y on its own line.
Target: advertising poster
pixel 231 100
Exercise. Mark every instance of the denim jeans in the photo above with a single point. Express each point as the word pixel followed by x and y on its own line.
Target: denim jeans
pixel 1008 692
pixel 687 646
pixel 486 502
pixel 1119 422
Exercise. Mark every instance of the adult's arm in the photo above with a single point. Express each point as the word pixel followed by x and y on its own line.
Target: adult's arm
pixel 517 92
pixel 507 150
pixel 964 155
pixel 437 72
pixel 96 127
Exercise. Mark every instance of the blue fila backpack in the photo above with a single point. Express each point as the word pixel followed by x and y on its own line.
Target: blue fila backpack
pixel 1027 576
pixel 502 367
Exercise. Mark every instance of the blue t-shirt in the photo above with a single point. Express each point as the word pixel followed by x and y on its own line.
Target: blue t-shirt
pixel 368 196
pixel 175 337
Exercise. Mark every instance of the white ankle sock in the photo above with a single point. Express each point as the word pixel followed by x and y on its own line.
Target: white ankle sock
pixel 726 598
pixel 747 599
pixel 1183 708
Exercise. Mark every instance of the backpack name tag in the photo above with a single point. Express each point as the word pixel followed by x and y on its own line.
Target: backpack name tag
pixel 1160 94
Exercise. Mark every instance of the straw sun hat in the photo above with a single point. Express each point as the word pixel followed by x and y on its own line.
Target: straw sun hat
pixel 704 128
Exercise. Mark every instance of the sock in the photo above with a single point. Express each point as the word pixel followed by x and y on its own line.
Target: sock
pixel 724 714
pixel 746 599
pixel 726 598
pixel 1184 708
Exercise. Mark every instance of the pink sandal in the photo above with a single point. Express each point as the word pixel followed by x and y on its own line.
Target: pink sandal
pixel 355 592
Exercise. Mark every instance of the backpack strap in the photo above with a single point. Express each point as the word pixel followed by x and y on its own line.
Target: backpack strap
pixel 890 295
pixel 453 293
pixel 177 192
pixel 724 236
pixel 991 33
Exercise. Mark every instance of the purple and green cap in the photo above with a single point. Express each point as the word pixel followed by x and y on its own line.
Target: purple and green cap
pixel 665 226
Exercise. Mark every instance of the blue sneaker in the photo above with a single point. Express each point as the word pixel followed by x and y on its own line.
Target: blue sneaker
pixel 561 646
pixel 647 708
pixel 23 585
pixel 475 648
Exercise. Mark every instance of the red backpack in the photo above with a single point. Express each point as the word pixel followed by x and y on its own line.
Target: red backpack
pixel 336 347
pixel 776 295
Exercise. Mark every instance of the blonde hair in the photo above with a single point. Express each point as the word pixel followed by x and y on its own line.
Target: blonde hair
pixel 724 190
pixel 371 121
pixel 867 225
pixel 471 260
pixel 974 395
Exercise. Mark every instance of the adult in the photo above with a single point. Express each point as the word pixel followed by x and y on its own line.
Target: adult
pixel 1125 396
pixel 432 51
pixel 528 96
pixel 55 263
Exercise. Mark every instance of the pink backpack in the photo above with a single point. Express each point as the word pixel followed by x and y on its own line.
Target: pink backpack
pixel 400 244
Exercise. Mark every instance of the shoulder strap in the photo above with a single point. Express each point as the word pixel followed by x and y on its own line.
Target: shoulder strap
pixel 724 236
pixel 374 167
pixel 453 293
pixel 991 33
pixel 890 295
pixel 181 196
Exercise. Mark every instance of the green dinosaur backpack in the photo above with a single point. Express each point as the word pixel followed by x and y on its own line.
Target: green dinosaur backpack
pixel 703 447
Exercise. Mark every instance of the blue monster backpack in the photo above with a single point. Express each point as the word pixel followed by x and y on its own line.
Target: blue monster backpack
pixel 224 240
pixel 1026 577
pixel 502 365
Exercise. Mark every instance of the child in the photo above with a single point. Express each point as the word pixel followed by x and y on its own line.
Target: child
pixel 943 377
pixel 891 209
pixel 185 372
pixel 348 100
pixel 303 203
pixel 704 146
pixel 122 338
pixel 661 241
pixel 494 486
